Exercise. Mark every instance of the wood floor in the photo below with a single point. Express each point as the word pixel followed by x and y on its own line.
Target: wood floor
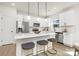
pixel 10 50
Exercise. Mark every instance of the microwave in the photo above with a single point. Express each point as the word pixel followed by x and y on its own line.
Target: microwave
pixel 36 24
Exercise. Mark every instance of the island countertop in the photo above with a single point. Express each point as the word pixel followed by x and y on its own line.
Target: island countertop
pixel 30 35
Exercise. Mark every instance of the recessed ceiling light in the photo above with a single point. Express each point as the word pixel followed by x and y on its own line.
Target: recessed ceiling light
pixel 54 8
pixel 13 4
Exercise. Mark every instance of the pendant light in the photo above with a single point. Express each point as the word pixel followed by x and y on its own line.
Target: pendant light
pixel 28 17
pixel 38 12
pixel 46 11
pixel 13 4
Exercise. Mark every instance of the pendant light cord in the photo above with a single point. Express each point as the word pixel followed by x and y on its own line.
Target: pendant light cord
pixel 46 9
pixel 28 8
pixel 38 9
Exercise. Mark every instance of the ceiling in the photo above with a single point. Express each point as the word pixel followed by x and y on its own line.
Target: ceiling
pixel 52 7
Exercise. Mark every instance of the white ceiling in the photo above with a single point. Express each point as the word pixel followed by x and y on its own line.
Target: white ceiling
pixel 22 7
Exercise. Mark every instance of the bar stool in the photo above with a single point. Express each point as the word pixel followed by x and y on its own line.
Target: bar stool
pixel 42 43
pixel 53 40
pixel 28 46
pixel 76 48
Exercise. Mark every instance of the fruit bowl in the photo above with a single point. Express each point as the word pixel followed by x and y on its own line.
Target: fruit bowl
pixel 36 31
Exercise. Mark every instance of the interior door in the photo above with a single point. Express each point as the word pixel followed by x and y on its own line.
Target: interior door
pixel 9 29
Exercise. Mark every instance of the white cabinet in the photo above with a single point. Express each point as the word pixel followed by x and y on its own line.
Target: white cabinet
pixel 0 29
pixel 68 18
pixel 67 39
pixel 0 24
pixel 8 29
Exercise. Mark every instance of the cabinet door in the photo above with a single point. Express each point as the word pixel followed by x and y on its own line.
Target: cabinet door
pixel 0 30
pixel 0 24
pixel 68 39
pixel 9 29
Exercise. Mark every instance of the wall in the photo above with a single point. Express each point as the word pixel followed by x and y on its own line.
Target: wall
pixel 71 17
pixel 7 10
pixel 76 39
pixel 7 24
pixel 68 18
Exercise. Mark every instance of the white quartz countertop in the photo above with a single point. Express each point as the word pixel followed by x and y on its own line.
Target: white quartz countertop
pixel 31 35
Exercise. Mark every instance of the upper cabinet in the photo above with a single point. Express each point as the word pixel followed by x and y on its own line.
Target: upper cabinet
pixel 33 20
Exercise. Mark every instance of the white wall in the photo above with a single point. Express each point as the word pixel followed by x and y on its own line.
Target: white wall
pixel 7 24
pixel 71 17
pixel 76 40
pixel 7 10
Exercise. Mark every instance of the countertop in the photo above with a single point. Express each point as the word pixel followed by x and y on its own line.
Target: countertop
pixel 31 35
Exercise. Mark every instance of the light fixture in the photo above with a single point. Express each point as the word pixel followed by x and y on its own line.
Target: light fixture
pixel 38 19
pixel 46 11
pixel 55 8
pixel 13 4
pixel 38 12
pixel 45 19
pixel 28 17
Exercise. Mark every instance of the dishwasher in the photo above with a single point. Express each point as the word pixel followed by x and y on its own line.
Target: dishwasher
pixel 59 36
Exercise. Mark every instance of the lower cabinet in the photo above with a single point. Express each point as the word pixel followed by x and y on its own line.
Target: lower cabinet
pixel 68 40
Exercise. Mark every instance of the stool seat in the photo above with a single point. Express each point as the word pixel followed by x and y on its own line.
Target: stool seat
pixel 29 45
pixel 76 46
pixel 42 42
pixel 51 39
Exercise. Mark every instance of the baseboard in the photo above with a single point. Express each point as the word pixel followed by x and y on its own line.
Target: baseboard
pixel 60 42
pixel 7 43
pixel 68 45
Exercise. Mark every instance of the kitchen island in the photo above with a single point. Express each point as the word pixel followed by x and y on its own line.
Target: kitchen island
pixel 30 37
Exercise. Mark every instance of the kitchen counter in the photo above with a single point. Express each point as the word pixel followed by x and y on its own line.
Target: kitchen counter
pixel 30 37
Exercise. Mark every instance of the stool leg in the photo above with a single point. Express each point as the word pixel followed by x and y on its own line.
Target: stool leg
pixel 32 52
pixel 52 45
pixel 78 52
pixel 75 52
pixel 37 50
pixel 45 52
pixel 52 49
